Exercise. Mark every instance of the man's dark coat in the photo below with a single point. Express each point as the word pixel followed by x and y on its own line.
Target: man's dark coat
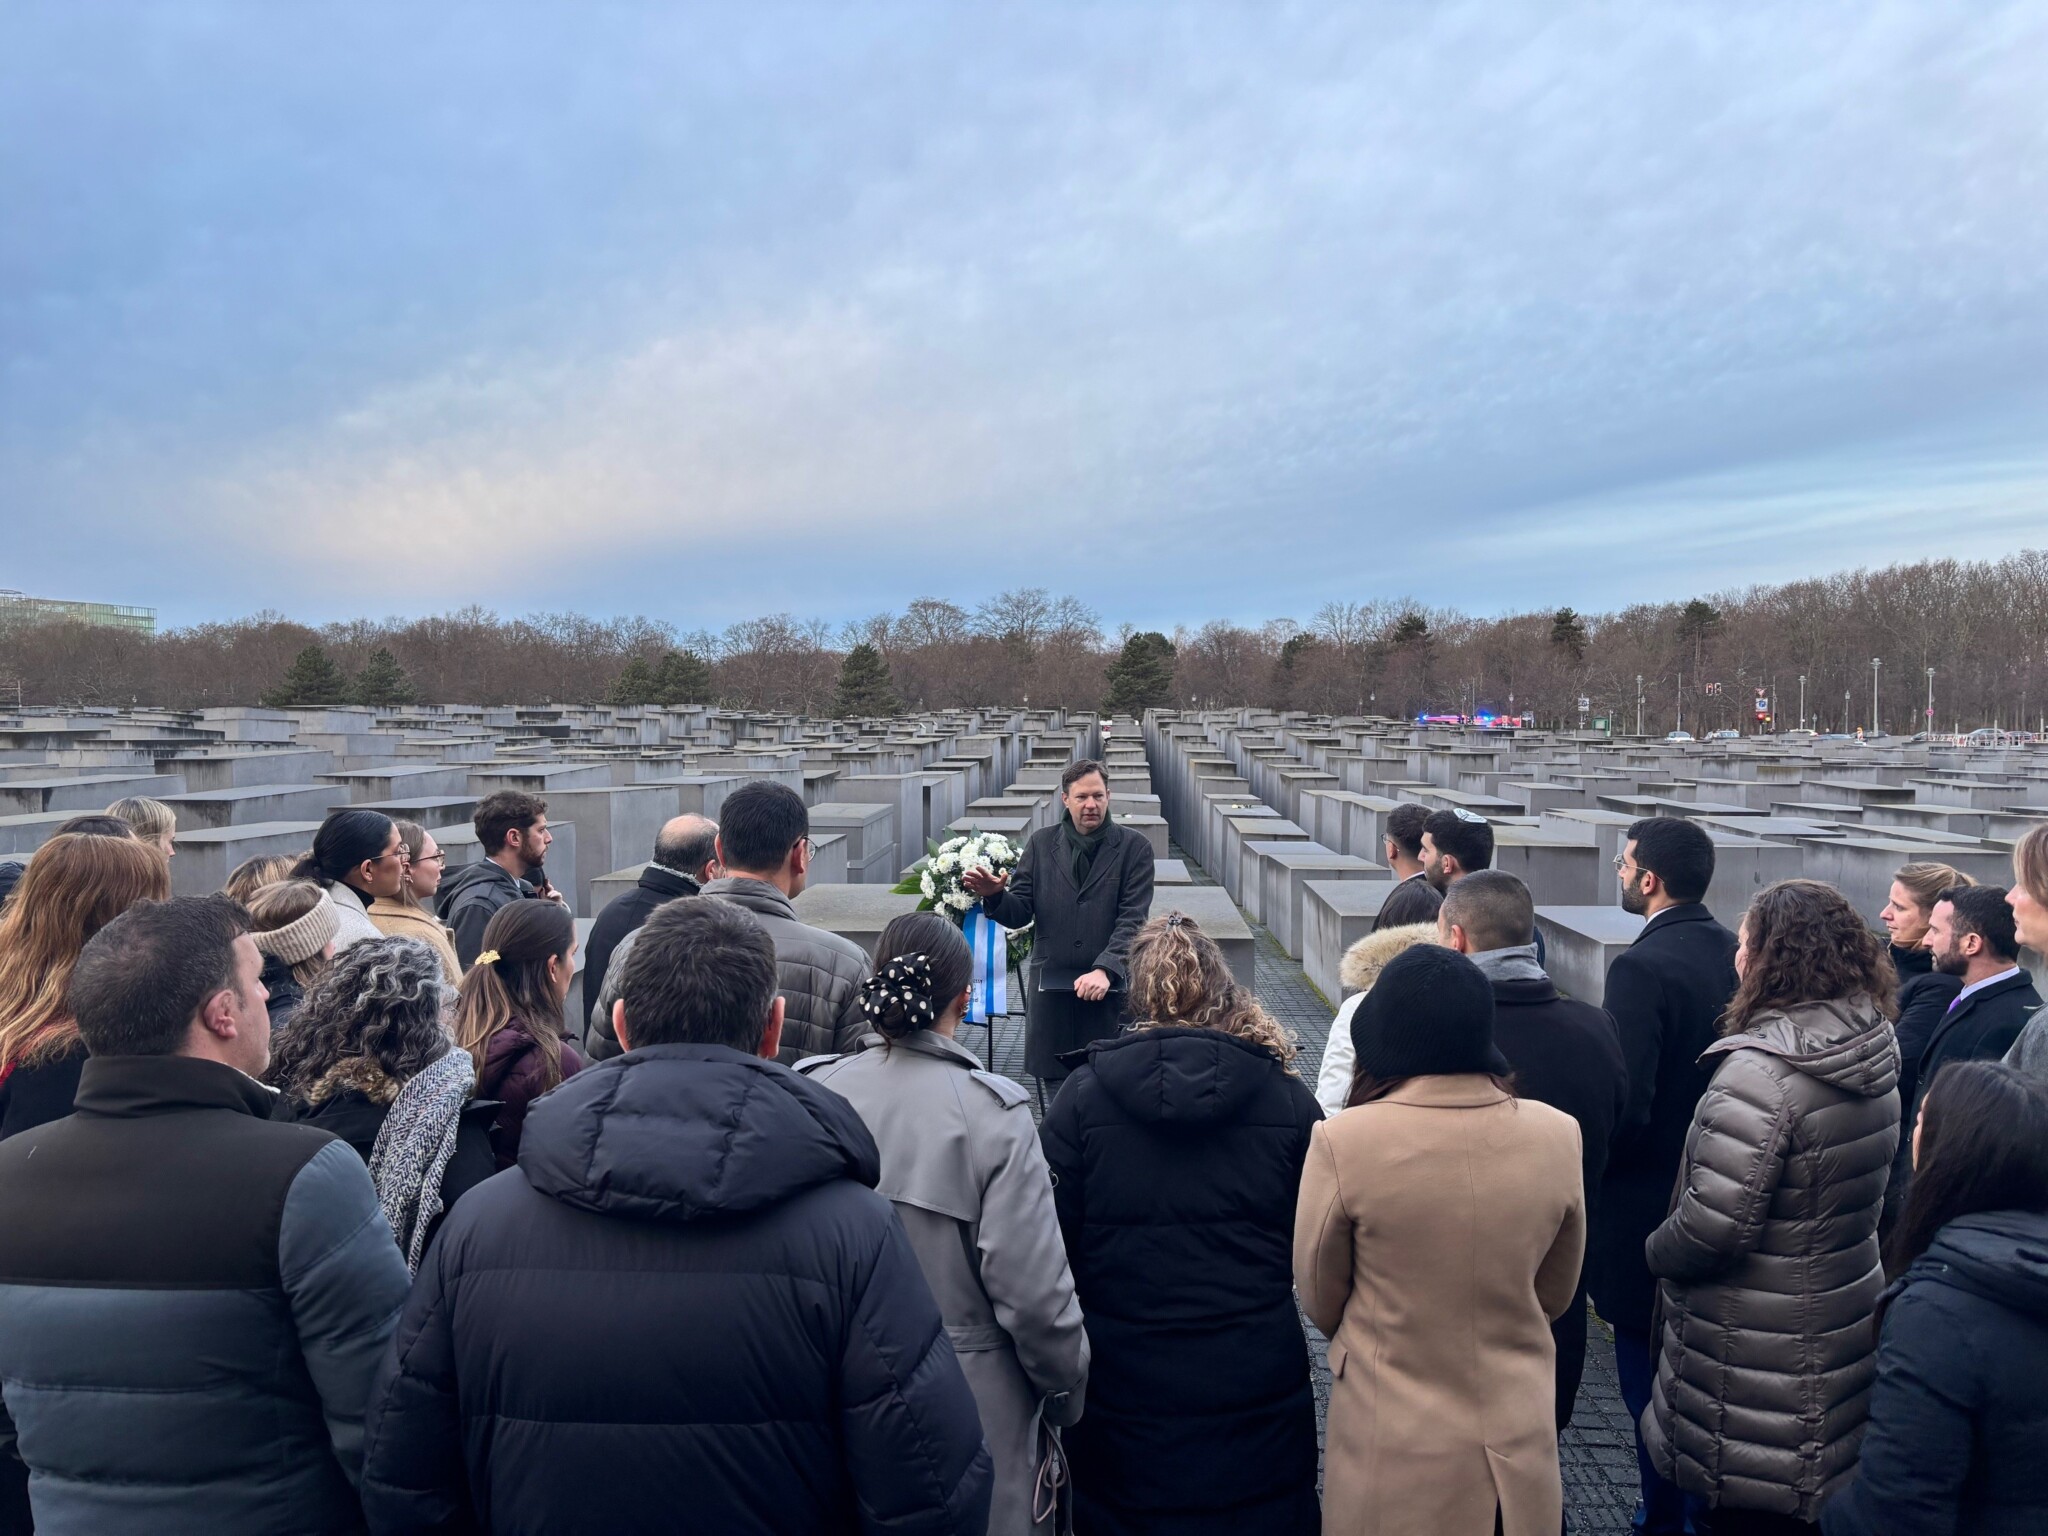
pixel 1080 929
pixel 1666 993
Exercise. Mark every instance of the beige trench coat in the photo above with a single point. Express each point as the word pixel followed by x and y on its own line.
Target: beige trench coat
pixel 961 1162
pixel 1439 1232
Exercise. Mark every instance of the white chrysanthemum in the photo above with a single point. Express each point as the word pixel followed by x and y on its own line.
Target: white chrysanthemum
pixel 948 862
pixel 960 901
pixel 924 884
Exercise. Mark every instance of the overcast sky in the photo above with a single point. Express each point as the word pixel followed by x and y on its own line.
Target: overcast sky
pixel 1191 310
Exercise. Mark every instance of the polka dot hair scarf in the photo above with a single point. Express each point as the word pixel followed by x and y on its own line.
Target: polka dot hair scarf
pixel 904 983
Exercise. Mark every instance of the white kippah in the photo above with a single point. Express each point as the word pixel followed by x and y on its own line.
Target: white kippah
pixel 303 937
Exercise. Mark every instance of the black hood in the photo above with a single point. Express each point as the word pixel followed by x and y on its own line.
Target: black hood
pixel 1176 1076
pixel 1999 1255
pixel 482 872
pixel 680 1132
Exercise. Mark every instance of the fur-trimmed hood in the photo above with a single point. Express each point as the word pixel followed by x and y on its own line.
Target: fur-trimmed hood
pixel 1364 960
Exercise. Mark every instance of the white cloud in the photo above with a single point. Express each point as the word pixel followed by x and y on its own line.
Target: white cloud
pixel 1042 292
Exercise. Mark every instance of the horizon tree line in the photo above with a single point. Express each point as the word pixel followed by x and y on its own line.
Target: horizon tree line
pixel 1981 625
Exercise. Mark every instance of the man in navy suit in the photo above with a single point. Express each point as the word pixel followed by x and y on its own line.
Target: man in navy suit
pixel 1972 937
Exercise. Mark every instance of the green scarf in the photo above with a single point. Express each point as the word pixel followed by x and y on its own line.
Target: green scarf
pixel 1082 846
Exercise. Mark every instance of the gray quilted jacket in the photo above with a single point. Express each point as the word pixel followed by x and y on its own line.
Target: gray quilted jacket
pixel 820 975
pixel 1769 1264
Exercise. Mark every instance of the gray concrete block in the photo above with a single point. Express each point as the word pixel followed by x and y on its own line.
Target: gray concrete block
pixel 1581 942
pixel 1217 916
pixel 856 912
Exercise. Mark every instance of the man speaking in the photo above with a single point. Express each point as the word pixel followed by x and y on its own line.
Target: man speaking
pixel 1087 883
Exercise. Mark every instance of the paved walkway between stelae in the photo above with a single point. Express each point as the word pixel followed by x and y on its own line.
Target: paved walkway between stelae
pixel 1599 1448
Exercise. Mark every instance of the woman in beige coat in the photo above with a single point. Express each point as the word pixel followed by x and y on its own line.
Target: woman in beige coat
pixel 961 1161
pixel 1440 1231
pixel 410 914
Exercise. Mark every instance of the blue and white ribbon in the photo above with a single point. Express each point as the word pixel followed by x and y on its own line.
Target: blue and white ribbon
pixel 989 942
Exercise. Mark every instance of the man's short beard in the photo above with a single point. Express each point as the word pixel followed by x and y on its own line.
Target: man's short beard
pixel 1634 899
pixel 1951 962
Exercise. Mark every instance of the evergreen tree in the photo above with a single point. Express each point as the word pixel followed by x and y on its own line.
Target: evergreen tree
pixel 635 685
pixel 1568 633
pixel 1141 678
pixel 383 681
pixel 1413 630
pixel 865 687
pixel 683 677
pixel 312 679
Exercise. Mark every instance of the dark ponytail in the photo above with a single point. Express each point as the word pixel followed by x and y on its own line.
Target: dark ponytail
pixel 922 964
pixel 345 840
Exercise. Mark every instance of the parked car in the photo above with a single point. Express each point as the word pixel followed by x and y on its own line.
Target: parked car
pixel 1678 736
pixel 1724 736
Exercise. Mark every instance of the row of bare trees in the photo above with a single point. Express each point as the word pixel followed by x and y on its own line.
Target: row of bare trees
pixel 1981 625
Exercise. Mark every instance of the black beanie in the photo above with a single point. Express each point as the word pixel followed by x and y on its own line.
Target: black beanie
pixel 1429 1014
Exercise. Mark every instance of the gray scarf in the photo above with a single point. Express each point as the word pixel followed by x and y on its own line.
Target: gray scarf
pixel 416 1145
pixel 1515 964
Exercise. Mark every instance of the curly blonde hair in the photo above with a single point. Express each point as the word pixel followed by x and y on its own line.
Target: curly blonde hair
pixel 1179 977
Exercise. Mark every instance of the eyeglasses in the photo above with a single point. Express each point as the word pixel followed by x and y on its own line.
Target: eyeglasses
pixel 431 858
pixel 809 846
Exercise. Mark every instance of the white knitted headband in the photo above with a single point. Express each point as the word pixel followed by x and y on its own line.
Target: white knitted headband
pixel 303 937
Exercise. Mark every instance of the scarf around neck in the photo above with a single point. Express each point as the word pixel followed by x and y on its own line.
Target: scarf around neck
pixel 1515 964
pixel 415 1146
pixel 1082 846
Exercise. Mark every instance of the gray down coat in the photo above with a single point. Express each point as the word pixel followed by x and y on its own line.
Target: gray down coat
pixel 1768 1263
pixel 818 973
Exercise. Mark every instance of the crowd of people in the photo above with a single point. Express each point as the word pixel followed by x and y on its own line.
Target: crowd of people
pixel 321 1209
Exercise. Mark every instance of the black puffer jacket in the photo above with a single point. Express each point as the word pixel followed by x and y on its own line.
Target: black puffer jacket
pixel 1769 1262
pixel 686 1306
pixel 1176 1157
pixel 1958 1419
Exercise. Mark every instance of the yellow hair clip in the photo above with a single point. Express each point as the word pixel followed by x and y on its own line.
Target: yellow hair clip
pixel 487 957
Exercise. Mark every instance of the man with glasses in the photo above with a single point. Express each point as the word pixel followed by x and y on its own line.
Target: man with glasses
pixel 1666 993
pixel 512 829
pixel 764 845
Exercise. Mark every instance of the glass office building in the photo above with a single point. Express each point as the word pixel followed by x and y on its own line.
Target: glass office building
pixel 20 608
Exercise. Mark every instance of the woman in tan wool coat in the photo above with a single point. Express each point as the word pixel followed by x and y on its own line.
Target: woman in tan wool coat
pixel 1440 1231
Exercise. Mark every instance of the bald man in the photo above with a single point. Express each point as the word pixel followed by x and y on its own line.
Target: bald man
pixel 685 857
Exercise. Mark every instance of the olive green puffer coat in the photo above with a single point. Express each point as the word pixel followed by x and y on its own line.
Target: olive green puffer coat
pixel 1768 1263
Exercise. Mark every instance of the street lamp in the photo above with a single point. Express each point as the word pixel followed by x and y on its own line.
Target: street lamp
pixel 1639 703
pixel 1930 701
pixel 1802 701
pixel 1875 663
pixel 1846 716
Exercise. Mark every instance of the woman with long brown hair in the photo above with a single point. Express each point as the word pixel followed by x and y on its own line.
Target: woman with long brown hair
pixel 1176 1150
pixel 74 886
pixel 508 1015
pixel 1769 1262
